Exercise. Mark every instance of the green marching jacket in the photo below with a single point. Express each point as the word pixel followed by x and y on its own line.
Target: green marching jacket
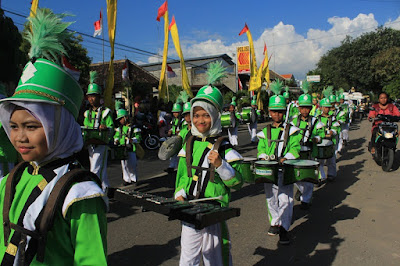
pixel 267 144
pixel 227 176
pixel 124 133
pixel 102 116
pixel 320 130
pixel 79 232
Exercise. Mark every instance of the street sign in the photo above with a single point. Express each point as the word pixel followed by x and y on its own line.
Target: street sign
pixel 314 78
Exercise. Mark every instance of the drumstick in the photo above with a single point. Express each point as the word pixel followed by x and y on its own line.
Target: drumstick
pixel 205 199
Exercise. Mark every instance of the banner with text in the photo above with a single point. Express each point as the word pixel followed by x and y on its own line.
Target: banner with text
pixel 243 59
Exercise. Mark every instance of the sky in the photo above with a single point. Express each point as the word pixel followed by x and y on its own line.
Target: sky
pixel 297 33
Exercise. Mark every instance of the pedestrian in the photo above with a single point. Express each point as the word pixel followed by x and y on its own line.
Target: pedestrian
pixel 40 120
pixel 212 242
pixel 98 130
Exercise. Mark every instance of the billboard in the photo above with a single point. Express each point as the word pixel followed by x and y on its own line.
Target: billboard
pixel 243 59
pixel 314 78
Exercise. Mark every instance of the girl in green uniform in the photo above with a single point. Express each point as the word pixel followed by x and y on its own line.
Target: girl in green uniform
pixel 40 120
pixel 221 172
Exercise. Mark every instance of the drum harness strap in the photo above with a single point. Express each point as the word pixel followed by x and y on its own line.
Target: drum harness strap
pixel 98 117
pixel 309 122
pixel 44 221
pixel 285 139
pixel 329 124
pixel 210 176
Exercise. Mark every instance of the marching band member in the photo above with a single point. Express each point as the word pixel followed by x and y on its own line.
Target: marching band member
pixel 8 154
pixel 98 117
pixel 40 120
pixel 127 136
pixel 219 173
pixel 233 129
pixel 343 117
pixel 306 123
pixel 327 128
pixel 252 126
pixel 281 141
pixel 291 110
pixel 187 124
pixel 176 125
pixel 315 107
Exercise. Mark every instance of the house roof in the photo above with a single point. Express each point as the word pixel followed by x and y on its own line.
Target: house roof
pixel 287 76
pixel 190 62
pixel 136 73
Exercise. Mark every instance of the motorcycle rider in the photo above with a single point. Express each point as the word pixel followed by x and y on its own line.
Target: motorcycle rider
pixel 383 107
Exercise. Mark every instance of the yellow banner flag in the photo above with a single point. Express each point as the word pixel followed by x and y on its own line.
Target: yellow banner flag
pixel 175 37
pixel 35 4
pixel 255 82
pixel 162 86
pixel 112 23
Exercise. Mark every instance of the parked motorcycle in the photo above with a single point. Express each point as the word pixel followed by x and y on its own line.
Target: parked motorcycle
pixel 149 131
pixel 386 140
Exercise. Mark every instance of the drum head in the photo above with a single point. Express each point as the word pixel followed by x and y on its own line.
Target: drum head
pixel 266 163
pixel 170 147
pixel 305 148
pixel 325 142
pixel 301 163
pixel 249 159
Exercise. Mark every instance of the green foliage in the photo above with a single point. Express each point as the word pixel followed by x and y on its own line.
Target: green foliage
pixel 393 88
pixel 365 62
pixel 11 58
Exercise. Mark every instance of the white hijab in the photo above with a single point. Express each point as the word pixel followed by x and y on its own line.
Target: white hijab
pixel 63 133
pixel 215 119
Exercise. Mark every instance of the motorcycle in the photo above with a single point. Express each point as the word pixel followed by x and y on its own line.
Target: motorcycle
pixel 386 141
pixel 149 132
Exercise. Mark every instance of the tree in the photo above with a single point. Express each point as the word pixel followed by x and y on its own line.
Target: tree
pixel 359 62
pixel 11 58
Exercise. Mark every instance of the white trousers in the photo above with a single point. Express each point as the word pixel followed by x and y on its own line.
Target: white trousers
pixel 206 243
pixel 98 163
pixel 279 203
pixel 129 168
pixel 344 135
pixel 331 163
pixel 306 190
pixel 173 161
pixel 233 138
pixel 5 168
pixel 252 127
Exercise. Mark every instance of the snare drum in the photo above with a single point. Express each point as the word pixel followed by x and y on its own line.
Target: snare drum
pixel 305 153
pixel 266 172
pixel 246 114
pixel 300 170
pixel 95 136
pixel 120 152
pixel 247 169
pixel 226 119
pixel 326 149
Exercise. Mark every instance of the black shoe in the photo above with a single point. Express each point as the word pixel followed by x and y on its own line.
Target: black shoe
pixel 331 178
pixel 304 205
pixel 321 182
pixel 126 183
pixel 283 236
pixel 297 195
pixel 169 170
pixel 273 230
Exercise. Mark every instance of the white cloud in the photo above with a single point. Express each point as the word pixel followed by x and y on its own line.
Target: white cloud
pixel 291 52
pixel 393 24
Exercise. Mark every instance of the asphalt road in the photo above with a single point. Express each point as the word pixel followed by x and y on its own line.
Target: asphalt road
pixel 353 221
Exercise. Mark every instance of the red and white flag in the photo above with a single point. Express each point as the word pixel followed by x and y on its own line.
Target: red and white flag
pixel 75 73
pixel 240 84
pixel 98 26
pixel 125 73
pixel 170 72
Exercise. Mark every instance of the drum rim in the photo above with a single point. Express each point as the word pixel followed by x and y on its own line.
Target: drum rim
pixel 289 163
pixel 328 141
pixel 265 162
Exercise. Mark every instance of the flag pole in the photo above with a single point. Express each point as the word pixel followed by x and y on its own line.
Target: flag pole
pixel 102 33
pixel 166 79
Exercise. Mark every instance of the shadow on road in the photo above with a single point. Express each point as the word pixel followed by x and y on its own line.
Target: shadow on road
pixel 146 254
pixel 316 241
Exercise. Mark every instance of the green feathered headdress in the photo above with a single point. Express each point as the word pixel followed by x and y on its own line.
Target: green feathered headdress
pixel 276 87
pixel 43 80
pixel 305 86
pixel 93 76
pixel 49 35
pixel 215 72
pixel 327 91
pixel 183 97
